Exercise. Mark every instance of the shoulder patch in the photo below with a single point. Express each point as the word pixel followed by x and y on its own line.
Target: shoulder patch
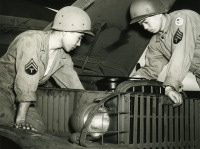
pixel 179 21
pixel 31 67
pixel 178 36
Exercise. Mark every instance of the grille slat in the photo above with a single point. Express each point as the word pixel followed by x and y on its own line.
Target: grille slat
pixel 165 126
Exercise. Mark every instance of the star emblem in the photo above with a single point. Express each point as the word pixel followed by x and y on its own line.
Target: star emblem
pixel 179 21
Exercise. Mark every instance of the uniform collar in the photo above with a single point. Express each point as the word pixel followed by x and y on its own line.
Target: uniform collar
pixel 166 28
pixel 168 23
pixel 46 41
pixel 45 48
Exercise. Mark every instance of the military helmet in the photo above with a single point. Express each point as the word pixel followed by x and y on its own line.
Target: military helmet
pixel 72 19
pixel 141 9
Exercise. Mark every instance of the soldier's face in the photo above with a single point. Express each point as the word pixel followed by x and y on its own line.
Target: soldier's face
pixel 71 40
pixel 152 24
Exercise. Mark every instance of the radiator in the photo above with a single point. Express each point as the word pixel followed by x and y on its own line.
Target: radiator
pixel 138 120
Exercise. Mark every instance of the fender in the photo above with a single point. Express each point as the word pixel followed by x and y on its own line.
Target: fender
pixel 35 140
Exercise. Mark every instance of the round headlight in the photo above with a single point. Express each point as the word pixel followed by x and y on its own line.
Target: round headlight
pixel 99 124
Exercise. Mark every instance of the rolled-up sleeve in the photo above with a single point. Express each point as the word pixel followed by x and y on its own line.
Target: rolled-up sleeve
pixel 27 76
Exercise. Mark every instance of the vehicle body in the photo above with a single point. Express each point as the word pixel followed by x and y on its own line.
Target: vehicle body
pixel 140 117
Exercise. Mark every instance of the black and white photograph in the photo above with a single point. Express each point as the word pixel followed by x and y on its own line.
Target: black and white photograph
pixel 93 74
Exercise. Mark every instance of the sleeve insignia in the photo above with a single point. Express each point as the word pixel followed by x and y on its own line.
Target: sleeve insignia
pixel 178 36
pixel 179 21
pixel 31 67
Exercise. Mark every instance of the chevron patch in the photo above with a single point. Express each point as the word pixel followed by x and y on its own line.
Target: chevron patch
pixel 31 67
pixel 178 36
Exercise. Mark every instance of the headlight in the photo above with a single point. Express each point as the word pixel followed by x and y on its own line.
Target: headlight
pixel 99 124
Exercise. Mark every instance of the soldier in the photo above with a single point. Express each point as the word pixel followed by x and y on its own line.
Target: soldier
pixel 32 58
pixel 176 42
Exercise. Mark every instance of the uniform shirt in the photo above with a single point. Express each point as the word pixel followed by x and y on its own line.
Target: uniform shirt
pixel 178 45
pixel 25 63
pixel 52 54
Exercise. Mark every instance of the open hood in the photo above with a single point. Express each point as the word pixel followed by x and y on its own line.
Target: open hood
pixel 117 46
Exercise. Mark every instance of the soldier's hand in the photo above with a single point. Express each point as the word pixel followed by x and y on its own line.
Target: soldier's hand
pixel 24 126
pixel 175 96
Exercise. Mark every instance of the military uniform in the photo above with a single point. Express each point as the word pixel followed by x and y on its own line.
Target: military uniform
pixel 23 68
pixel 178 45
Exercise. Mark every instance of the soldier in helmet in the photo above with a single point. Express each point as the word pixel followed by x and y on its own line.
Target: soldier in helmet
pixel 32 58
pixel 176 42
